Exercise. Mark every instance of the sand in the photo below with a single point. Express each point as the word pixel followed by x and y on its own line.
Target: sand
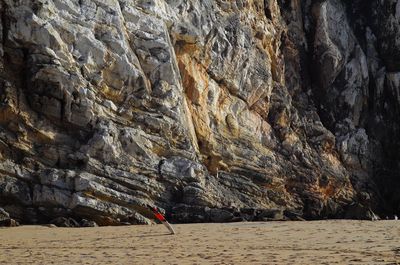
pixel 318 242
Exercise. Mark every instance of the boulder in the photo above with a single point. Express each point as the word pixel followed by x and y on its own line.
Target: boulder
pixel 87 223
pixel 5 219
pixel 271 215
pixel 65 222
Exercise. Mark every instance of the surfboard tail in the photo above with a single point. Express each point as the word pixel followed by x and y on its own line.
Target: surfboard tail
pixel 169 227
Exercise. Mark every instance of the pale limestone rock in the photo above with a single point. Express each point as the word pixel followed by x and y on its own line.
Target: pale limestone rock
pixel 217 110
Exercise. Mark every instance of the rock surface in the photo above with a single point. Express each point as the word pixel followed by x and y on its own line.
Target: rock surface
pixel 212 110
pixel 5 219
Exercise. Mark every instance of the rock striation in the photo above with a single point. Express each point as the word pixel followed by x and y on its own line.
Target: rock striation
pixel 212 110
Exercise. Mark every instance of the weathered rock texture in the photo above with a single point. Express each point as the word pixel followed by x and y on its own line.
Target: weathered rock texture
pixel 212 110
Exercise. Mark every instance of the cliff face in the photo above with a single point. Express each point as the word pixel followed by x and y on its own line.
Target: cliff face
pixel 212 110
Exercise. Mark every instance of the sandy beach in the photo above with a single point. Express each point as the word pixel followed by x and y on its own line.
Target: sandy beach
pixel 318 242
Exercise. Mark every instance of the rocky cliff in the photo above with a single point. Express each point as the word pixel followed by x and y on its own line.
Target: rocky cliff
pixel 212 110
